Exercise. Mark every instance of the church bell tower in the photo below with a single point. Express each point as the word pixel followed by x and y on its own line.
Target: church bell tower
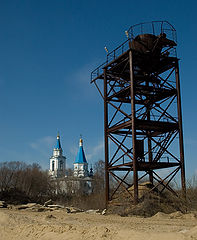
pixel 57 161
pixel 80 164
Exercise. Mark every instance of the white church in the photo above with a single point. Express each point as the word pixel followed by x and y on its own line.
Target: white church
pixel 82 177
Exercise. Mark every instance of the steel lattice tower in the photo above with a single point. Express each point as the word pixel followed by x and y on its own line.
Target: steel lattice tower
pixel 140 86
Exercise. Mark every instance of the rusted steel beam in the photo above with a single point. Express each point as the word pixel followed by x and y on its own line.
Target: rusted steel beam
pixel 165 186
pixel 135 170
pixel 160 126
pixel 165 110
pixel 155 94
pixel 122 169
pixel 99 90
pixel 173 175
pixel 129 132
pixel 115 114
pixel 116 60
pixel 121 181
pixel 128 116
pixel 181 146
pixel 123 92
pixel 116 178
pixel 117 159
pixel 165 149
pixel 111 88
pixel 162 149
pixel 162 111
pixel 161 182
pixel 145 166
pixel 118 144
pixel 156 125
pixel 119 147
pixel 96 78
pixel 128 164
pixel 106 139
pixel 150 154
pixel 166 79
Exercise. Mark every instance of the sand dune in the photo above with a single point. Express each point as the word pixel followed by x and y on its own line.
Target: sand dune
pixel 60 225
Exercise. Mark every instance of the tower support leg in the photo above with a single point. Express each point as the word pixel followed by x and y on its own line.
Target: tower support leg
pixel 106 139
pixel 135 171
pixel 180 129
pixel 150 157
pixel 150 154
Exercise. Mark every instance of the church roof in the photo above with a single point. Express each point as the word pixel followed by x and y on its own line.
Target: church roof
pixel 81 155
pixel 58 144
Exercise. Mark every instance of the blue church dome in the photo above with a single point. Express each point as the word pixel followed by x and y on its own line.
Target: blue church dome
pixel 81 155
pixel 58 145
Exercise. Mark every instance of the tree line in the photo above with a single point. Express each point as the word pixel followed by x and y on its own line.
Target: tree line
pixel 23 183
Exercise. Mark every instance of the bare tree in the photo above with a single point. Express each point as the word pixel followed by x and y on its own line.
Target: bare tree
pixel 24 181
pixel 99 176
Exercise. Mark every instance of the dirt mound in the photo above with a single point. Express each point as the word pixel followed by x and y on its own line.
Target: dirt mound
pixel 148 207
pixel 189 216
pixel 143 188
pixel 176 215
pixel 160 215
pixel 150 202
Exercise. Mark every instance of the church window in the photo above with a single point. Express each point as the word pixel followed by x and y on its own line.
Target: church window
pixel 61 165
pixel 53 165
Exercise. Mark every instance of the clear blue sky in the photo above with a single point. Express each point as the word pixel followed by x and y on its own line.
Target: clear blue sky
pixel 47 52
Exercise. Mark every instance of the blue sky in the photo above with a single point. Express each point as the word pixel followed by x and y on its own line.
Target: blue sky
pixel 47 52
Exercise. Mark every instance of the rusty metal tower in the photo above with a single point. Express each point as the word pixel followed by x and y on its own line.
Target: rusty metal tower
pixel 140 86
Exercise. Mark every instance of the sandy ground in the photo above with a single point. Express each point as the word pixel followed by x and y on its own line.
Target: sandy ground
pixel 59 225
